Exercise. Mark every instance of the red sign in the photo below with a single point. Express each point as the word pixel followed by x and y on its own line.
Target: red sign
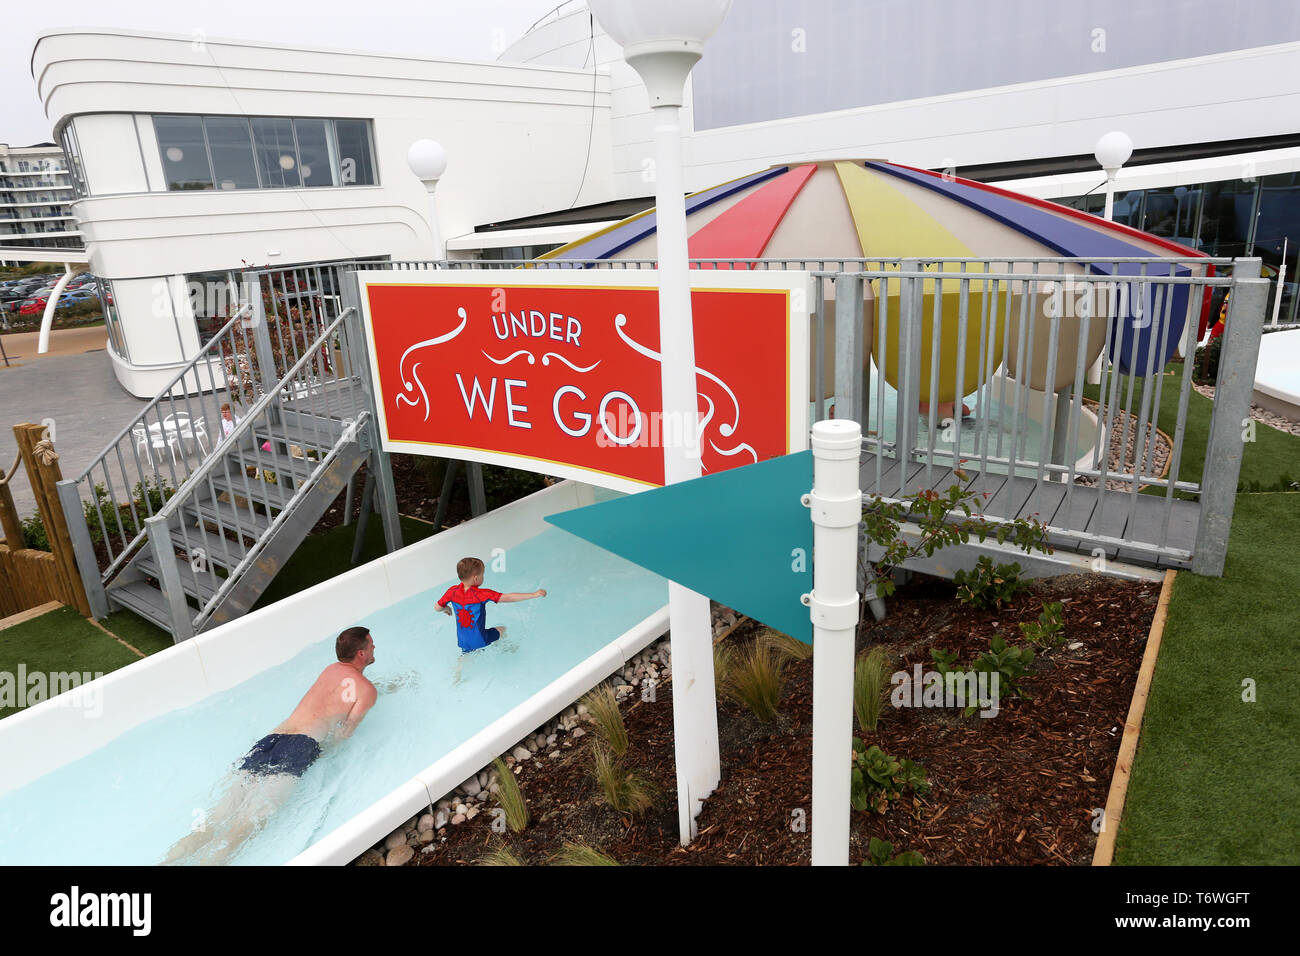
pixel 565 379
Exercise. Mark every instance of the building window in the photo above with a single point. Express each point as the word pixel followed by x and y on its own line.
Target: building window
pixel 231 148
pixel 356 163
pixel 265 152
pixel 112 321
pixel 277 156
pixel 213 301
pixel 72 150
pixel 184 152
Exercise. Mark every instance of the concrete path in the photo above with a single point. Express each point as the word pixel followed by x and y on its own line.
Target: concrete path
pixel 74 385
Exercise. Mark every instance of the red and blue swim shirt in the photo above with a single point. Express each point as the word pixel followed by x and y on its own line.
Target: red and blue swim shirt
pixel 469 607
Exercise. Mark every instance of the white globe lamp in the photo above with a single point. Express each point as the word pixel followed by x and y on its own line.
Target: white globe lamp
pixel 428 160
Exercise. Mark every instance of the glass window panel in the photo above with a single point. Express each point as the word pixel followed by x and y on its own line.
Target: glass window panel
pixel 212 299
pixel 231 147
pixel 277 158
pixel 1171 212
pixel 314 162
pixel 356 164
pixel 184 154
pixel 1277 234
pixel 1225 219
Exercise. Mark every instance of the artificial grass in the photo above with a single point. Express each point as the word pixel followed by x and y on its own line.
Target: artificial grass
pixel 1214 780
pixel 59 641
pixel 1269 463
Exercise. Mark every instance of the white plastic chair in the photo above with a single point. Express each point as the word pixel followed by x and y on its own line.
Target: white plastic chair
pixel 180 428
pixel 153 438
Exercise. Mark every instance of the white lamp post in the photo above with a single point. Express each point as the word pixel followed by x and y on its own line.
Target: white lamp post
pixel 662 41
pixel 428 160
pixel 1113 151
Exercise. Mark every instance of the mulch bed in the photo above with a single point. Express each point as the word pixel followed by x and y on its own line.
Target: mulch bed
pixel 1018 788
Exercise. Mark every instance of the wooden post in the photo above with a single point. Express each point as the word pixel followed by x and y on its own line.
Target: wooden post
pixel 9 523
pixel 43 478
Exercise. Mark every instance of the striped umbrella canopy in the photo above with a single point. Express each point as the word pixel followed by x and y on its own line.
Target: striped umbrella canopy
pixel 870 209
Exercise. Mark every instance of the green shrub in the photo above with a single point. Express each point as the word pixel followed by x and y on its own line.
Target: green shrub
pixel 625 791
pixel 754 680
pixel 988 585
pixel 1046 631
pixel 879 779
pixel 510 798
pixel 34 534
pixel 1008 662
pixel 607 719
pixel 870 679
pixel 880 853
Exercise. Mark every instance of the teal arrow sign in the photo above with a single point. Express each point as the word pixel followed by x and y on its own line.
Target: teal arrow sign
pixel 742 537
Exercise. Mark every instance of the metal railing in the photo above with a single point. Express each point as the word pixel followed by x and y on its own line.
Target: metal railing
pixel 254 477
pixel 158 451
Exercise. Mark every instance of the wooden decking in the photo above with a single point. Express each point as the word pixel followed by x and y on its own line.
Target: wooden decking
pixel 1153 530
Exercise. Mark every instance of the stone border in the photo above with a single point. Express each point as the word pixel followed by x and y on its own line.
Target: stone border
pixel 1113 814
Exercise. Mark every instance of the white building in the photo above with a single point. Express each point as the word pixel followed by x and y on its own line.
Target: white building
pixel 200 158
pixel 35 198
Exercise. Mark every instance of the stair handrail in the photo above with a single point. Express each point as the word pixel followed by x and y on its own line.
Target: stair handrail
pixel 300 491
pixel 166 390
pixel 245 425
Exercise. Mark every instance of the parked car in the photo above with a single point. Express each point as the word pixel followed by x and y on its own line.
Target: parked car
pixel 33 306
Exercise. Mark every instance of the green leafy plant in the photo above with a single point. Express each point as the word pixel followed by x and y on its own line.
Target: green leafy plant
pixel 880 853
pixel 1046 631
pixel 754 680
pixel 625 791
pixel 944 660
pixel 34 534
pixel 939 520
pixel 509 797
pixel 1010 663
pixel 607 718
pixel 879 779
pixel 578 853
pixel 870 678
pixel 988 585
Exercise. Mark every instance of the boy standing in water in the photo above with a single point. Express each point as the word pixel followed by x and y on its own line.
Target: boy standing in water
pixel 467 601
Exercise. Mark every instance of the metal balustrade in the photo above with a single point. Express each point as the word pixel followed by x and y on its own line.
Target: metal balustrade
pixel 1089 460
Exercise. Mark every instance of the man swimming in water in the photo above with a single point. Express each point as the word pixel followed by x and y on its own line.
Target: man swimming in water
pixel 266 776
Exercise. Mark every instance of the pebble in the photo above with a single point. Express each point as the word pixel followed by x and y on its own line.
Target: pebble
pixel 458 819
pixel 370 858
pixel 426 836
pixel 554 754
pixel 440 818
pixel 399 856
pixel 1075 646
pixel 578 732
pixel 461 808
pixel 471 786
pixel 471 813
pixel 520 753
pixel 394 840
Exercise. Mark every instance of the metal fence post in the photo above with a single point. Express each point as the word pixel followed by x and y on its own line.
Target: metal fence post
pixel 169 579
pixel 74 513
pixel 1231 417
pixel 350 287
pixel 265 352
pixel 850 379
pixel 910 319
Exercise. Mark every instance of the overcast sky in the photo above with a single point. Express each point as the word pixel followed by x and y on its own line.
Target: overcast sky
pixel 458 29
